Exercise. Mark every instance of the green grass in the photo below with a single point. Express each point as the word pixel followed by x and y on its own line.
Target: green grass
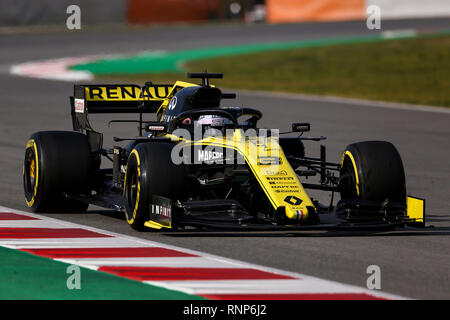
pixel 413 71
pixel 24 276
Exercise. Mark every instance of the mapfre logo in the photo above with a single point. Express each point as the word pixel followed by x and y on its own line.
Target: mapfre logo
pixel 206 155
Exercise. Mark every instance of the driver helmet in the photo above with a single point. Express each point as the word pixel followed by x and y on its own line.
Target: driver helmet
pixel 213 121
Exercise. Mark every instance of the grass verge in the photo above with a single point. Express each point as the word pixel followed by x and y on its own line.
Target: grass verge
pixel 412 71
pixel 24 276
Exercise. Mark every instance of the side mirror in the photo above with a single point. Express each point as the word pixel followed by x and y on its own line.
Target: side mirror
pixel 301 127
pixel 156 127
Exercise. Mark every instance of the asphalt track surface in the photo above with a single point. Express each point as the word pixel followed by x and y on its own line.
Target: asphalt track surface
pixel 414 264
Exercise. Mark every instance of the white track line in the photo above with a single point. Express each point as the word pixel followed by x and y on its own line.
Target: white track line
pixel 30 224
pixel 307 285
pixel 257 286
pixel 54 69
pixel 70 243
pixel 172 262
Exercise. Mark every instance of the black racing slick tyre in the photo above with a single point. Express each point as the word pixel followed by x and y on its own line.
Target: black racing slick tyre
pixel 150 171
pixel 372 170
pixel 56 163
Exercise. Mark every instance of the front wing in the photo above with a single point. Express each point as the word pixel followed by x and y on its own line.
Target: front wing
pixel 230 215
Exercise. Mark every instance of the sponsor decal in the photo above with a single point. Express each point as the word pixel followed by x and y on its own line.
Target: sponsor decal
pixel 284 182
pixel 207 155
pixel 285 187
pixel 275 173
pixel 293 200
pixel 125 93
pixel 156 128
pixel 162 211
pixel 280 178
pixel 265 161
pixel 172 103
pixel 79 105
pixel 168 118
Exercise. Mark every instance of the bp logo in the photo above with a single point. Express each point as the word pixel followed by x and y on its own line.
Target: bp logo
pixel 293 200
pixel 172 103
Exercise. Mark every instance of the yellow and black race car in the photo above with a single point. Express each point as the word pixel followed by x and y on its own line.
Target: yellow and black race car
pixel 202 164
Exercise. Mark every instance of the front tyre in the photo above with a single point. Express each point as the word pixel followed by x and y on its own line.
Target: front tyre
pixel 372 170
pixel 150 171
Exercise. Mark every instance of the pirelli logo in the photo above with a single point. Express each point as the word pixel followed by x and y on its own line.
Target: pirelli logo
pixel 125 92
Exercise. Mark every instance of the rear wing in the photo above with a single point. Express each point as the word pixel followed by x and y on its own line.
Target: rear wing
pixel 114 98
pixel 118 98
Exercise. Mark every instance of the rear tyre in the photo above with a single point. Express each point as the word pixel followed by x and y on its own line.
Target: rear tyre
pixel 150 171
pixel 372 170
pixel 56 163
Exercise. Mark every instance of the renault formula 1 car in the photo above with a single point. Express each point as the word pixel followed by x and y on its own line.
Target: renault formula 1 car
pixel 204 164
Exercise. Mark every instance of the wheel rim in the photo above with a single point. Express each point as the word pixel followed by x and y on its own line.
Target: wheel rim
pixel 30 173
pixel 347 181
pixel 131 192
pixel 32 168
